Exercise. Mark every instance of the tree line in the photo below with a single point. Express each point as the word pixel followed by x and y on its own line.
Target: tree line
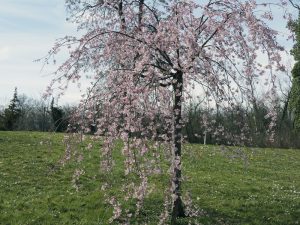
pixel 29 114
pixel 244 125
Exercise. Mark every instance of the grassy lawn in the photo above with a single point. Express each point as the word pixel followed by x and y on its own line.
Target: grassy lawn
pixel 36 189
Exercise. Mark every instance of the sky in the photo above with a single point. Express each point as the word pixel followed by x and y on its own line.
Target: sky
pixel 28 30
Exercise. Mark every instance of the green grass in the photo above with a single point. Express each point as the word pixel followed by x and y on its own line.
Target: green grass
pixel 36 189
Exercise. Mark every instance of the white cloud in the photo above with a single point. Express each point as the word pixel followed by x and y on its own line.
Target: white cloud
pixel 4 53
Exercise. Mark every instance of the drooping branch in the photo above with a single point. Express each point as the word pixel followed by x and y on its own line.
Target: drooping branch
pixel 297 6
pixel 215 32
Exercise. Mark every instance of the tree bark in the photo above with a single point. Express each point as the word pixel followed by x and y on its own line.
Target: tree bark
pixel 178 208
pixel 121 15
pixel 140 16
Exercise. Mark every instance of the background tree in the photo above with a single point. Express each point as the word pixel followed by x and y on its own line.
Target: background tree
pixel 35 115
pixel 13 112
pixel 294 98
pixel 2 127
pixel 59 118
pixel 29 114
pixel 146 58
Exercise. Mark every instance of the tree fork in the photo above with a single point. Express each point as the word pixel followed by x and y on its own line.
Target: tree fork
pixel 178 208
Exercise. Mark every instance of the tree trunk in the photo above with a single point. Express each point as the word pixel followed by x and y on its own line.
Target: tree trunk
pixel 178 209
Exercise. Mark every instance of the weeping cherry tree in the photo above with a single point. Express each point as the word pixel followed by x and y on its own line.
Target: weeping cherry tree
pixel 144 60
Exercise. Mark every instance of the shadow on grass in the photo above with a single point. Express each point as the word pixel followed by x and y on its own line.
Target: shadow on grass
pixel 254 216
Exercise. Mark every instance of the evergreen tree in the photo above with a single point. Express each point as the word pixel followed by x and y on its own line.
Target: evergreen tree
pixel 13 112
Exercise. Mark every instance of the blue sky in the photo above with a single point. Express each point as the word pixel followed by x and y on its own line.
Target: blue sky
pixel 28 29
